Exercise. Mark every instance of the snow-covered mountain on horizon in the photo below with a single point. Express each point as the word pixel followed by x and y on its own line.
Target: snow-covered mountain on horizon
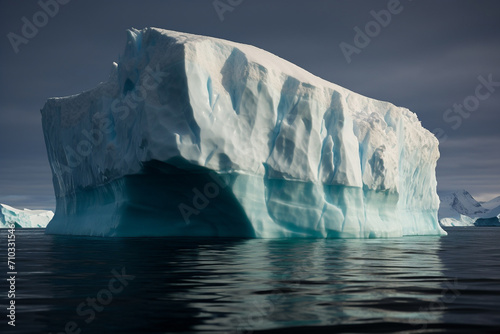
pixel 24 218
pixel 491 204
pixel 459 208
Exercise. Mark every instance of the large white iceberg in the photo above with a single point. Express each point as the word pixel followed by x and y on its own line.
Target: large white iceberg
pixel 197 136
pixel 23 218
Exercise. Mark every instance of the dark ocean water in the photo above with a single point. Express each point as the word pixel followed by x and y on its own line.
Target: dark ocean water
pixel 167 285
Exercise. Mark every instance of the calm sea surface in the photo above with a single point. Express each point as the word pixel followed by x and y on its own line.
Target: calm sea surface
pixel 167 285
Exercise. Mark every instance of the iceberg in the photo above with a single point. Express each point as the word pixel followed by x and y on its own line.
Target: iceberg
pixel 492 216
pixel 493 220
pixel 24 218
pixel 198 136
pixel 457 220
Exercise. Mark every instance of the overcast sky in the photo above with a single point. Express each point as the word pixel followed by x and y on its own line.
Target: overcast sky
pixel 430 56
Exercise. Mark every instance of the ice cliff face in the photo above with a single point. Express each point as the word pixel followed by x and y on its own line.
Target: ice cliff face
pixel 23 218
pixel 194 135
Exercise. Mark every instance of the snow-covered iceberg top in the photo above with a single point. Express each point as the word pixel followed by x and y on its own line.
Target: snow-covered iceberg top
pixel 194 135
pixel 23 218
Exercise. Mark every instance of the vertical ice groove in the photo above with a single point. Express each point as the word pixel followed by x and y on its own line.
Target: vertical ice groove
pixel 134 40
pixel 210 93
pixel 234 77
pixel 288 93
pixel 210 155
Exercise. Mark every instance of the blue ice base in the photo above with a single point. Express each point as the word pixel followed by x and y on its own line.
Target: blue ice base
pixel 191 201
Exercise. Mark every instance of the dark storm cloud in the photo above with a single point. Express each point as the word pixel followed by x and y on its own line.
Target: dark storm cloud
pixel 428 58
pixel 473 164
pixel 26 182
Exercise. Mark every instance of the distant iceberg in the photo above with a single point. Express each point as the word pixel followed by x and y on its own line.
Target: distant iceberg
pixel 23 218
pixel 492 217
pixel 197 136
pixel 459 208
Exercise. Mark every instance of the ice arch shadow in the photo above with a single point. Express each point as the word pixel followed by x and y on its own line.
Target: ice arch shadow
pixel 163 199
pixel 178 198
